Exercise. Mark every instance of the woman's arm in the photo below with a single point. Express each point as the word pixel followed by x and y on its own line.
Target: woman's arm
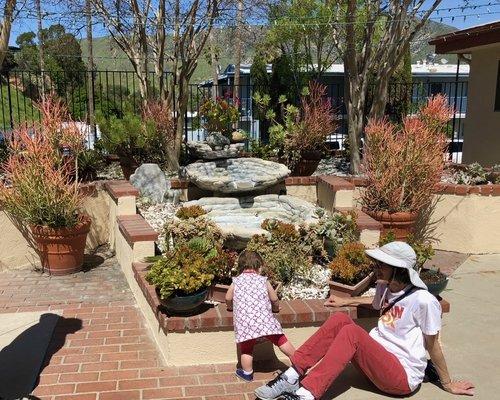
pixel 336 301
pixel 433 346
pixel 275 303
pixel 229 297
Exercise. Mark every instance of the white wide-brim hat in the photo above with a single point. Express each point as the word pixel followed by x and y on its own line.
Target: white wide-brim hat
pixel 400 255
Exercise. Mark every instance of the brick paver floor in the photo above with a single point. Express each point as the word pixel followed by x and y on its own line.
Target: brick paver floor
pixel 101 348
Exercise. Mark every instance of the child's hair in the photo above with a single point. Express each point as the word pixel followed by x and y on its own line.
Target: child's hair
pixel 249 260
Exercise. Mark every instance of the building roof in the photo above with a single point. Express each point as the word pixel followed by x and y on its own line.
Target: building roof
pixel 461 42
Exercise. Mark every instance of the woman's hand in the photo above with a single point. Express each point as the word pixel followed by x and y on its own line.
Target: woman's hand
pixel 336 301
pixel 459 387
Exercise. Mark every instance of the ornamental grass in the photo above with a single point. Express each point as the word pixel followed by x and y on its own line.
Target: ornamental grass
pixel 403 163
pixel 40 186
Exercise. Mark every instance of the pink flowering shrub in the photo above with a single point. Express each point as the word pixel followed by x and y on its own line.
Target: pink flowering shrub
pixel 403 163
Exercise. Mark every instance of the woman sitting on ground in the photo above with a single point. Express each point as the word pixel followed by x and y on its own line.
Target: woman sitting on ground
pixel 392 356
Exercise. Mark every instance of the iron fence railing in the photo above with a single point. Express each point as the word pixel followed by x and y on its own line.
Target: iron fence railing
pixel 116 92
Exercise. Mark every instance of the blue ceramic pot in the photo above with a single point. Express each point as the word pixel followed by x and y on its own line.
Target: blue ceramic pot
pixel 185 303
pixel 434 287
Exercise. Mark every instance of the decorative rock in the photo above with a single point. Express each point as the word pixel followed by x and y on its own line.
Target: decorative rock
pixel 217 139
pixel 241 218
pixel 202 151
pixel 151 182
pixel 236 175
pixel 238 136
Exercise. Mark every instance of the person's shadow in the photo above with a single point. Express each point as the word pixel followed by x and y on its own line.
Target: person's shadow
pixel 22 361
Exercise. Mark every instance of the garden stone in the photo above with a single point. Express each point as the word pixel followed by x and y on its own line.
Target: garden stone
pixel 241 218
pixel 217 140
pixel 202 151
pixel 151 182
pixel 240 175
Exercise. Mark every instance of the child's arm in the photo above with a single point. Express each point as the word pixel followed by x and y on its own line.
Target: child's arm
pixel 275 303
pixel 229 297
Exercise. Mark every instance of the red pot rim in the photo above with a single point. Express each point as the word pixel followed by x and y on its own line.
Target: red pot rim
pixel 83 226
pixel 399 216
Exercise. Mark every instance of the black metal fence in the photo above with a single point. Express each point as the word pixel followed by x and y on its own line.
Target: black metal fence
pixel 116 92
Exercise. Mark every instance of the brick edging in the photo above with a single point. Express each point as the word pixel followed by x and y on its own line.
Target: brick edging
pixel 292 313
pixel 118 189
pixel 135 228
pixel 335 182
pixel 301 180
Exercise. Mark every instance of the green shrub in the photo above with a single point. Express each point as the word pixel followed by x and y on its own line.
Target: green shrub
pixel 179 232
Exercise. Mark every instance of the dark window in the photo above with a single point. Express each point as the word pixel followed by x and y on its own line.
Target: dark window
pixel 497 97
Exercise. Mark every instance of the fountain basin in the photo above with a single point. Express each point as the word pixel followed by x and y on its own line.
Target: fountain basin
pixel 238 175
pixel 241 218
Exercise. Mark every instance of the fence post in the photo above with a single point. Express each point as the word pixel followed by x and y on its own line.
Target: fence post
pixel 454 110
pixel 11 118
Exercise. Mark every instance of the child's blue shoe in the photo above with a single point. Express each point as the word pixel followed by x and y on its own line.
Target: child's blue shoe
pixel 247 377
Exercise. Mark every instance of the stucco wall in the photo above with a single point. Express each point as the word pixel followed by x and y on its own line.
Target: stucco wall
pixel 467 224
pixel 16 252
pixel 482 123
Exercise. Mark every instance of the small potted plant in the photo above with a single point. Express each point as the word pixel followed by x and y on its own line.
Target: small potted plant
pixel 183 275
pixel 298 136
pixel 351 271
pixel 402 165
pixel 220 115
pixel 41 191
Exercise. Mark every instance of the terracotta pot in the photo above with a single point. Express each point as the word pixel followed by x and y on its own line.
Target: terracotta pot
pixel 308 163
pixel 61 249
pixel 128 166
pixel 342 290
pixel 400 223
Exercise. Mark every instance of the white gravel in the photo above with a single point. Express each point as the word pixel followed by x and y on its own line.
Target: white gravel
pixel 313 285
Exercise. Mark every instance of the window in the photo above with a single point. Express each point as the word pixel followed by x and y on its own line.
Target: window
pixel 497 96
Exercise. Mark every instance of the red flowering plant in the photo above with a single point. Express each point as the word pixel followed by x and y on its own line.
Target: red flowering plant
pixel 403 163
pixel 220 115
pixel 40 188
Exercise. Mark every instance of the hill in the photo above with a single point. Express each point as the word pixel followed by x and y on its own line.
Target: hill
pixel 108 56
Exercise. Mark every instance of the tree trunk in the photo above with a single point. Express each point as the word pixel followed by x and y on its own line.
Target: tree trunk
pixel 181 105
pixel 40 45
pixel 379 103
pixel 90 78
pixel 214 61
pixel 237 50
pixel 6 25
pixel 356 98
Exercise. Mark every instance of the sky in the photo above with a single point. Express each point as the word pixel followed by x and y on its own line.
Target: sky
pixel 449 13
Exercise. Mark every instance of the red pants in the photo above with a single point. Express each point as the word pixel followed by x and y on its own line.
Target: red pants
pixel 338 341
pixel 246 347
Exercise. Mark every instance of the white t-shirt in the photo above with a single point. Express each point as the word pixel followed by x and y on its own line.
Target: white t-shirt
pixel 401 329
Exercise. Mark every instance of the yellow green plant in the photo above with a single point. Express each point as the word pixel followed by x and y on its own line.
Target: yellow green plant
pixel 351 264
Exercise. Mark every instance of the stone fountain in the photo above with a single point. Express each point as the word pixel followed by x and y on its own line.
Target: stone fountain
pixel 238 206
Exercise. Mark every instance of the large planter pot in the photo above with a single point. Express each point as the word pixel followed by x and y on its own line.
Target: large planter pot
pixel 307 164
pixel 128 166
pixel 400 223
pixel 436 281
pixel 181 304
pixel 61 249
pixel 342 290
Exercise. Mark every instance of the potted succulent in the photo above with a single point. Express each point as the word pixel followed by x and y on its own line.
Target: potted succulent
pixel 298 135
pixel 351 271
pixel 220 115
pixel 183 276
pixel 137 139
pixel 435 280
pixel 40 190
pixel 336 229
pixel 402 165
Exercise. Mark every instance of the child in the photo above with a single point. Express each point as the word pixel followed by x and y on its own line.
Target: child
pixel 254 301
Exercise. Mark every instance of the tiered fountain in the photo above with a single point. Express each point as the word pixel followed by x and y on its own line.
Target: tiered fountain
pixel 246 191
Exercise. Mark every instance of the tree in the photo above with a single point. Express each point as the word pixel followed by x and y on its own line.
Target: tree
pixel 9 13
pixel 300 29
pixel 62 57
pixel 373 36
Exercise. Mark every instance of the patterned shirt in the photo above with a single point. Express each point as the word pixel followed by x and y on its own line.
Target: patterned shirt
pixel 252 311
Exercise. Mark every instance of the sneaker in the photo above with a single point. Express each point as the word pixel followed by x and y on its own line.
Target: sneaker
pixel 240 373
pixel 275 388
pixel 289 396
